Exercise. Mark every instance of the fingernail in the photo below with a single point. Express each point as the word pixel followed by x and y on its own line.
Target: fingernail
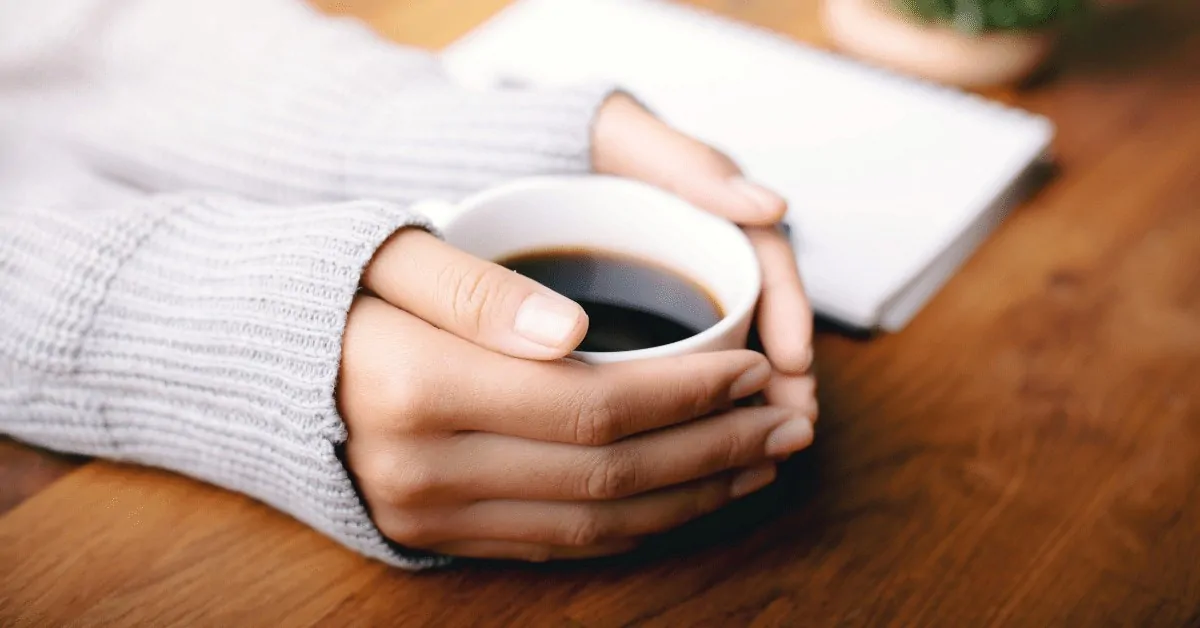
pixel 752 381
pixel 545 320
pixel 765 201
pixel 752 480
pixel 792 436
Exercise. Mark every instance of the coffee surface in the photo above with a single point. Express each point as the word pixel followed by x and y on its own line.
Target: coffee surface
pixel 631 304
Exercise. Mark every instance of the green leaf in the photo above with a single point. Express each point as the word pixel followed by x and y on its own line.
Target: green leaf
pixel 977 16
pixel 1002 14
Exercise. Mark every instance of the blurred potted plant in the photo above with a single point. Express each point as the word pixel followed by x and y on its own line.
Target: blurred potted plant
pixel 968 43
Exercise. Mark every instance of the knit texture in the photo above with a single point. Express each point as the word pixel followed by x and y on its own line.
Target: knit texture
pixel 295 107
pixel 189 192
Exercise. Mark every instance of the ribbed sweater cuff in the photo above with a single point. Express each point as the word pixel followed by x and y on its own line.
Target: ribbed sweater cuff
pixel 216 349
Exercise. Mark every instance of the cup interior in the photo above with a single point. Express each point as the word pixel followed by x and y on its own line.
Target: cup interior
pixel 617 216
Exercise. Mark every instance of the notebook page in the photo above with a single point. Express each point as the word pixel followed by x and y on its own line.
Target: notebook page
pixel 881 173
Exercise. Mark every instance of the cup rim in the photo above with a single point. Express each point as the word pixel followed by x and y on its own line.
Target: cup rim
pixel 734 314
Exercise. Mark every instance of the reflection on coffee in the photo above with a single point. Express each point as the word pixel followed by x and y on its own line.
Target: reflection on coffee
pixel 632 304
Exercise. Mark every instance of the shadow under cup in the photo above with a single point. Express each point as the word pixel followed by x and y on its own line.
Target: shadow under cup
pixel 656 275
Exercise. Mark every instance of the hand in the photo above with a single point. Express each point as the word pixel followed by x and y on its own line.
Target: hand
pixel 630 142
pixel 468 436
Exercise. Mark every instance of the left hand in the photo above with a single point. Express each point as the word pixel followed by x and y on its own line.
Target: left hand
pixel 629 141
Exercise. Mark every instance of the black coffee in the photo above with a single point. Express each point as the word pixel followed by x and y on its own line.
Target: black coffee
pixel 631 304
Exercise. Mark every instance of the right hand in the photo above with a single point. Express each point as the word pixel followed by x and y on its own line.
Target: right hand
pixel 469 435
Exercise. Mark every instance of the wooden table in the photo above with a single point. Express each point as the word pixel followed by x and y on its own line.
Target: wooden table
pixel 1027 453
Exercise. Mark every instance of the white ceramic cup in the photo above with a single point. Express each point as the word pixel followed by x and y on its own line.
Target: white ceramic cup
pixel 618 216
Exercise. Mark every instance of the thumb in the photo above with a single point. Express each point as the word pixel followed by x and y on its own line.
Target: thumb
pixel 474 299
pixel 628 141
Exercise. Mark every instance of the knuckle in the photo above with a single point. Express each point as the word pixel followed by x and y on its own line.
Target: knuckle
pixel 404 396
pixel 612 476
pixel 397 478
pixel 728 450
pixel 371 470
pixel 407 528
pixel 470 291
pixel 588 529
pixel 691 397
pixel 704 500
pixel 597 418
pixel 704 393
pixel 416 484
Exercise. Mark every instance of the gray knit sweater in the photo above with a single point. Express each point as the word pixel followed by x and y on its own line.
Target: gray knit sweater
pixel 189 190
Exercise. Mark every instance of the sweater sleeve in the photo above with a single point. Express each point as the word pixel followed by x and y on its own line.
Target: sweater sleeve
pixel 274 101
pixel 197 334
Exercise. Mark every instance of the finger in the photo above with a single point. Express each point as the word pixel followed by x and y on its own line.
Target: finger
pixel 402 376
pixel 794 391
pixel 584 524
pixel 474 299
pixel 569 402
pixel 394 373
pixel 531 552
pixel 631 142
pixel 784 315
pixel 505 467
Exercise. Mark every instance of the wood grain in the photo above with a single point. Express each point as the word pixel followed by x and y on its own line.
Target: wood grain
pixel 25 471
pixel 1026 453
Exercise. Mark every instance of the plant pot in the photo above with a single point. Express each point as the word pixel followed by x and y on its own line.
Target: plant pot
pixel 874 32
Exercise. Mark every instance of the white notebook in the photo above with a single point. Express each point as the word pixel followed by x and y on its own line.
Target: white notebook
pixel 892 182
